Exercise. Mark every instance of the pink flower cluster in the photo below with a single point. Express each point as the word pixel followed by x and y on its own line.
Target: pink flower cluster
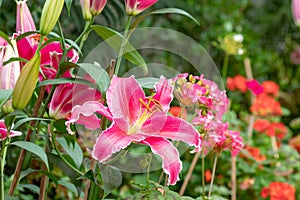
pixel 210 104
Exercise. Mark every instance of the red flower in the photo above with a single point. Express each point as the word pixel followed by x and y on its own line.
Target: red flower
pixel 237 83
pixel 261 125
pixel 264 105
pixel 270 87
pixel 279 191
pixel 276 129
pixel 207 175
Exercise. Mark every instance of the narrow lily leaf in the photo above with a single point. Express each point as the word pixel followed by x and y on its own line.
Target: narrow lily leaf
pixel 164 11
pixel 23 121
pixel 13 60
pixel 26 82
pixel 31 187
pixel 74 45
pixel 147 82
pixel 4 96
pixel 33 148
pixel 29 171
pixel 114 39
pixel 6 38
pixel 71 187
pixel 48 42
pixel 66 65
pixel 111 176
pixel 23 35
pixel 98 74
pixel 74 151
pixel 69 4
pixel 64 81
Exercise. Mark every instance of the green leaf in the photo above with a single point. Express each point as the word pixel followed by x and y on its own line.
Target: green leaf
pixel 111 176
pixel 147 82
pixel 74 151
pixel 31 187
pixel 164 11
pixel 69 4
pixel 66 65
pixel 13 60
pixel 22 121
pixel 74 45
pixel 4 96
pixel 6 38
pixel 64 81
pixel 29 171
pixel 71 187
pixel 33 148
pixel 114 39
pixel 98 74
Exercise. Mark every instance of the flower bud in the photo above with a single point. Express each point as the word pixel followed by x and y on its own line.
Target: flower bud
pixel 50 14
pixel 296 11
pixel 85 6
pixel 26 83
pixel 25 21
pixel 135 7
pixel 97 6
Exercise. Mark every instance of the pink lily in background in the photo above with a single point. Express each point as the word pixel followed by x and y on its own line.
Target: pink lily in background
pixel 135 7
pixel 66 96
pixel 255 87
pixel 9 73
pixel 24 20
pixel 296 11
pixel 3 131
pixel 140 119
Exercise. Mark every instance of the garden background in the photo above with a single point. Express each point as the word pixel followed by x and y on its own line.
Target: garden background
pixel 271 51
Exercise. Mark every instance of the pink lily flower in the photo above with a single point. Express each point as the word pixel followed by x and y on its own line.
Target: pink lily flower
pixel 140 119
pixel 66 96
pixel 92 8
pixel 3 131
pixel 9 73
pixel 25 21
pixel 135 7
pixel 296 11
pixel 255 87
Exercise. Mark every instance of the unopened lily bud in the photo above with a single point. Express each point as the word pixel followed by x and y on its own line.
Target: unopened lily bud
pixel 26 83
pixel 97 6
pixel 50 14
pixel 135 7
pixel 25 21
pixel 85 7
pixel 296 11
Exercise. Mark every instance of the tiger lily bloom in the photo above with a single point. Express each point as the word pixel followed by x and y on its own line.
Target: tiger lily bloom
pixel 140 119
pixel 135 7
pixel 25 21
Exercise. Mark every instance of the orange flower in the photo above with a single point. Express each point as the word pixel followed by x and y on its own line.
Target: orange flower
pixel 265 105
pixel 261 125
pixel 175 111
pixel 270 87
pixel 254 152
pixel 295 142
pixel 279 191
pixel 237 83
pixel 207 175
pixel 276 129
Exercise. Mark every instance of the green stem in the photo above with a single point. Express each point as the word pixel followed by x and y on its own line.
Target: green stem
pixel 61 156
pixel 203 174
pixel 225 67
pixel 148 170
pixel 124 41
pixel 83 36
pixel 213 175
pixel 2 164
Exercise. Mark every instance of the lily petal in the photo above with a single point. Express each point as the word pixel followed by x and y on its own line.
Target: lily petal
pixel 169 154
pixel 172 128
pixel 111 141
pixel 87 110
pixel 164 93
pixel 127 91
